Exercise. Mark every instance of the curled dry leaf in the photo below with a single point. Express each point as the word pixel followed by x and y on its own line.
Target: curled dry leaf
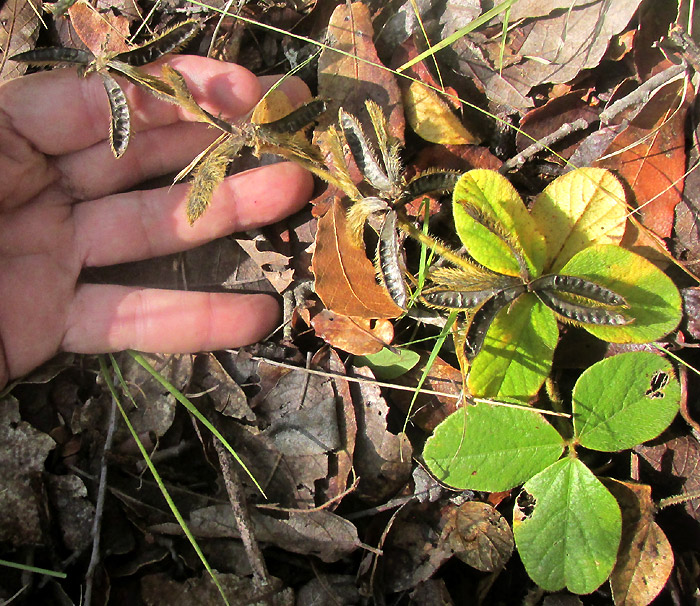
pixel 479 535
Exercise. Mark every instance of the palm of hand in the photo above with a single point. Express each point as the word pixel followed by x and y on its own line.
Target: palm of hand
pixel 61 209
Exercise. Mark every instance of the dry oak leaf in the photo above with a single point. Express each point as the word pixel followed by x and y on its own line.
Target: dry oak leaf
pixel 345 278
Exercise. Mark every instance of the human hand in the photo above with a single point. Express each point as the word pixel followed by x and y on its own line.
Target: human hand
pixel 63 206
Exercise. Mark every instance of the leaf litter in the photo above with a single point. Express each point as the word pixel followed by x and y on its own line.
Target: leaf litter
pixel 334 457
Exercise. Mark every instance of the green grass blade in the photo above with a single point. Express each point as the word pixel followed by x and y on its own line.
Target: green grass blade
pixel 478 22
pixel 49 573
pixel 431 359
pixel 180 397
pixel 144 453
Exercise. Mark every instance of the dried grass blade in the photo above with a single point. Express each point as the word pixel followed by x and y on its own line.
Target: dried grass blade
pixel 120 126
pixel 54 55
pixel 169 41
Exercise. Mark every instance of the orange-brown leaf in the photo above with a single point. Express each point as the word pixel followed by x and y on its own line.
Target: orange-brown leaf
pixel 650 155
pixel 345 278
pixel 101 33
pixel 354 335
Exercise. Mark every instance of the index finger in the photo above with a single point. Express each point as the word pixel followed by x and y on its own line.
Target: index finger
pixel 60 112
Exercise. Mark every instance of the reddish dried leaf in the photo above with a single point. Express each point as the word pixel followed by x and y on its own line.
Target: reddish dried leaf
pixel 645 558
pixel 356 336
pixel 345 278
pixel 544 120
pixel 349 79
pixel 678 461
pixel 653 161
pixel 100 32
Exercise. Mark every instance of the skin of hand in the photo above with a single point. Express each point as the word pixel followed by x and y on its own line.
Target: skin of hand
pixel 67 203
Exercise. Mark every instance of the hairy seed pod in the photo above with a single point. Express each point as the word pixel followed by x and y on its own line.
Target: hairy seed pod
pixel 577 286
pixel 441 181
pixel 295 120
pixel 389 261
pixel 585 314
pixel 363 154
pixel 457 299
pixel 169 41
pixel 120 127
pixel 484 316
pixel 54 55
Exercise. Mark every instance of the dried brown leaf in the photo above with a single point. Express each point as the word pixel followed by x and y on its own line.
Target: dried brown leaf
pixel 356 336
pixel 19 29
pixel 479 535
pixel 345 278
pixel 645 558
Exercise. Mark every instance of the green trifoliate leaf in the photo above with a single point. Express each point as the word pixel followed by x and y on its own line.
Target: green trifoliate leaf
pixel 517 352
pixel 654 303
pixel 494 225
pixel 567 528
pixel 493 448
pixel 579 209
pixel 624 400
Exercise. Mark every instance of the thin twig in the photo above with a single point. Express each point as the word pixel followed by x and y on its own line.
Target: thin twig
pixel 99 506
pixel 429 392
pixel 639 96
pixel 236 495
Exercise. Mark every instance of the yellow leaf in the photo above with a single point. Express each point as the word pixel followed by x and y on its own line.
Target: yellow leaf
pixel 579 209
pixel 431 118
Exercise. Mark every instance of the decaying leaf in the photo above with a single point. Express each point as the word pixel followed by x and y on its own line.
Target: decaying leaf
pixel 23 451
pixel 19 29
pixel 382 459
pixel 645 558
pixel 478 535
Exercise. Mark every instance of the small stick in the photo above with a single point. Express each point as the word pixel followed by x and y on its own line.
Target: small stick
pixel 236 495
pixel 640 95
pixel 99 506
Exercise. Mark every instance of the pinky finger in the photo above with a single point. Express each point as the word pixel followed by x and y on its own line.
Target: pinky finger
pixel 107 318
